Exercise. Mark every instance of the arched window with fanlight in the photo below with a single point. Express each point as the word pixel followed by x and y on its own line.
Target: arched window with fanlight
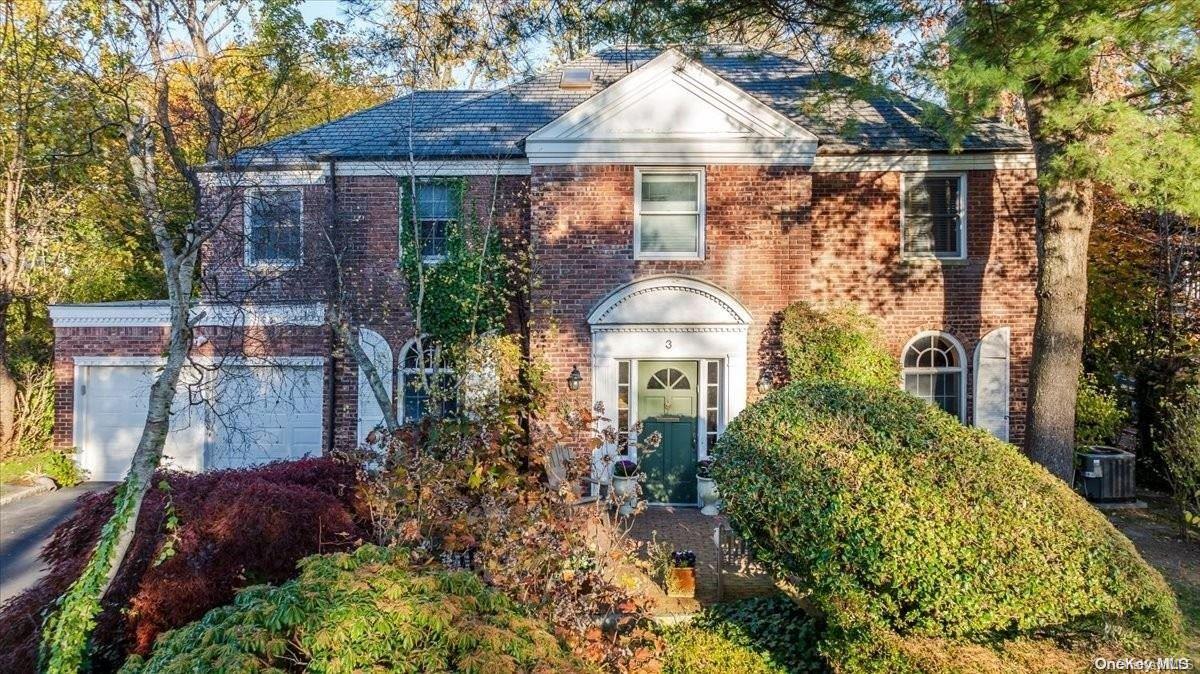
pixel 934 371
pixel 429 384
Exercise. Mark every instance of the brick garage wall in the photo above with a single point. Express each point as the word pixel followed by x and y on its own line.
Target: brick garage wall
pixel 756 248
pixel 151 341
pixel 854 220
pixel 776 235
pixel 378 296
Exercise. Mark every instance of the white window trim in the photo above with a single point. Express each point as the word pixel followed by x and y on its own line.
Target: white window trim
pixel 415 209
pixel 962 215
pixel 961 369
pixel 637 212
pixel 402 385
pixel 247 254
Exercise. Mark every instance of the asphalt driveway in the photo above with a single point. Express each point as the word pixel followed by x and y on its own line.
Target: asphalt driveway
pixel 25 526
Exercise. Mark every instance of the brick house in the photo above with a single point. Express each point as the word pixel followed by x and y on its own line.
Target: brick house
pixel 673 206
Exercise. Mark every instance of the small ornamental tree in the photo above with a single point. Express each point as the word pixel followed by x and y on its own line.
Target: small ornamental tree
pixel 370 610
pixel 901 521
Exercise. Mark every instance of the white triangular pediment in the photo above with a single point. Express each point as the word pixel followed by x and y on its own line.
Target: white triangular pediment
pixel 672 109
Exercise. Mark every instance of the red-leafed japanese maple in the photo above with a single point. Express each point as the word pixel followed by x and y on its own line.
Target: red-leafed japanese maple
pixel 199 539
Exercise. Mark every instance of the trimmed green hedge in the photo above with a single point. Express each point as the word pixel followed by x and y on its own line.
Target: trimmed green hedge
pixel 840 344
pixel 363 611
pixel 900 520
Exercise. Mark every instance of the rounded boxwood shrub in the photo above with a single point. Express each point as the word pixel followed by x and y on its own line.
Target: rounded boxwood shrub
pixel 838 343
pixel 897 518
pixel 369 610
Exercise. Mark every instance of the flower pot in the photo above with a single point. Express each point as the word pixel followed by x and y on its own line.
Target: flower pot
pixel 706 489
pixel 681 582
pixel 626 490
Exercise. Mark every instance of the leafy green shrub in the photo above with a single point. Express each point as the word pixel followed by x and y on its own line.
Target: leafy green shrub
pixel 1180 448
pixel 369 610
pixel 900 520
pixel 765 635
pixel 697 650
pixel 1099 417
pixel 840 344
pixel 51 463
pixel 61 468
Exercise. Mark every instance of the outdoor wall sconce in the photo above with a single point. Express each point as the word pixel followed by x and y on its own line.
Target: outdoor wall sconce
pixel 764 382
pixel 575 379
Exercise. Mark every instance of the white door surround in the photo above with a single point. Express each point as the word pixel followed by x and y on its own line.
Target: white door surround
pixel 669 318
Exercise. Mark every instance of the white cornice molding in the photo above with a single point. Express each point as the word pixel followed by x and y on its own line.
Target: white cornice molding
pixel 672 110
pixel 206 315
pixel 263 175
pixel 261 178
pixel 448 168
pixel 974 161
pixel 229 361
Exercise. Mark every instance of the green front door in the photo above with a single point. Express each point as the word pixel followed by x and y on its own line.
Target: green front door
pixel 666 403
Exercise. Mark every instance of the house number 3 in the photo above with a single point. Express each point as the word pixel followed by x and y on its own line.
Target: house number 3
pixel 668 343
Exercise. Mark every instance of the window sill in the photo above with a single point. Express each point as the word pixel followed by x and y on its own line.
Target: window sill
pixel 267 267
pixel 642 257
pixel 931 261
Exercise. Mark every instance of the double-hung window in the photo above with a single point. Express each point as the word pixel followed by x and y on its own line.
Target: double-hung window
pixel 668 214
pixel 273 226
pixel 437 212
pixel 933 217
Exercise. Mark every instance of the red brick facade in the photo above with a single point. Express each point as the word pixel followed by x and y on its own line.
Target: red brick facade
pixel 773 235
pixel 778 235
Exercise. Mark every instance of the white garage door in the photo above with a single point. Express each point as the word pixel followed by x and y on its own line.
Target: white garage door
pixel 111 403
pixel 260 414
pixel 265 414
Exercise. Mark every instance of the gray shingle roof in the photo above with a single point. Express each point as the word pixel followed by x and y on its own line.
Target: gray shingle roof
pixel 492 124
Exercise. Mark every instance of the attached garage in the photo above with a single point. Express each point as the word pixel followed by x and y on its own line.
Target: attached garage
pixel 235 415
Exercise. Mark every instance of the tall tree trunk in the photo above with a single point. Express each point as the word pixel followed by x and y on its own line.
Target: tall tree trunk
pixel 1064 224
pixel 8 385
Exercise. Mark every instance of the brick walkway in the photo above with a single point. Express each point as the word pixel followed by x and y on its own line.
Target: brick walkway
pixel 687 529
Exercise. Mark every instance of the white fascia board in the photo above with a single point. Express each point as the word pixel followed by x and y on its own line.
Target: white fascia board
pixel 449 168
pixel 974 161
pixel 261 178
pixel 673 151
pixel 208 315
pixel 208 361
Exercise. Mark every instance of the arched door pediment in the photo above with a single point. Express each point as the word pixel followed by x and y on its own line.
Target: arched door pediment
pixel 669 300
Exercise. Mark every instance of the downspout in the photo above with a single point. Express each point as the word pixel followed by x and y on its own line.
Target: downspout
pixel 334 362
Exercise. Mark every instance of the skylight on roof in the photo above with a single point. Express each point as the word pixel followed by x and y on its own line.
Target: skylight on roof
pixel 576 78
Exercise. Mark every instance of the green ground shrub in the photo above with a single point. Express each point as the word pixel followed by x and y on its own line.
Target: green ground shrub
pixel 839 343
pixel 369 610
pixel 1099 416
pixel 899 520
pixel 763 634
pixel 52 463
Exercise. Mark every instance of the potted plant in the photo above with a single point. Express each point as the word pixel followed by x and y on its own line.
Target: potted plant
pixel 681 576
pixel 706 488
pixel 625 484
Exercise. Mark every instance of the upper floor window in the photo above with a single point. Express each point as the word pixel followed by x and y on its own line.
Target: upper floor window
pixel 437 211
pixel 274 227
pixel 933 371
pixel 933 216
pixel 668 214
